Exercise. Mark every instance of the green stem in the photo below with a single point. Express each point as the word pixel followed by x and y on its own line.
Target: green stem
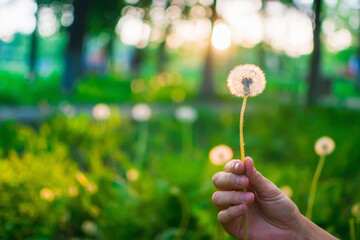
pixel 141 144
pixel 242 152
pixel 313 187
pixel 187 138
pixel 352 229
pixel 185 217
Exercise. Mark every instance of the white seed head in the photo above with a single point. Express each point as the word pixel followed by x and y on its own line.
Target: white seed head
pixel 324 146
pixel 246 80
pixel 220 154
pixel 141 112
pixel 186 114
pixel 101 111
pixel 89 227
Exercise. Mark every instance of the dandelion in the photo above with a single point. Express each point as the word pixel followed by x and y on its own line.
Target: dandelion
pixel 287 190
pixel 81 178
pixel 246 80
pixel 101 111
pixel 186 114
pixel 73 191
pixel 141 112
pixel 47 194
pixel 132 174
pixel 220 154
pixel 89 227
pixel 323 147
pixel 91 188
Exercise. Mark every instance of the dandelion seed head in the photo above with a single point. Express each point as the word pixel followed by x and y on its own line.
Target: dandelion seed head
pixel 101 111
pixel 324 146
pixel 89 227
pixel 186 114
pixel 141 112
pixel 220 154
pixel 246 80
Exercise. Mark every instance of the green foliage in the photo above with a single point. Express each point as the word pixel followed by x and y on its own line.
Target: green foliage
pixel 67 177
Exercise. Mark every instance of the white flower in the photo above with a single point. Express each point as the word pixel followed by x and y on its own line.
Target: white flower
pixel 101 111
pixel 220 155
pixel 324 146
pixel 141 112
pixel 186 114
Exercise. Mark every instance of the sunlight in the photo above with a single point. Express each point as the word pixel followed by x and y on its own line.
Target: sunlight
pixel 221 36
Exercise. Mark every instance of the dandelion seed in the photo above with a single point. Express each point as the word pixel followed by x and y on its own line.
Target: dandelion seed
pixel 324 146
pixel 141 112
pixel 132 174
pixel 89 227
pixel 186 114
pixel 287 190
pixel 47 194
pixel 220 155
pixel 101 111
pixel 246 80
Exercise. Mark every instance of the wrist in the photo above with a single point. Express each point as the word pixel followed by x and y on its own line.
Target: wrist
pixel 307 230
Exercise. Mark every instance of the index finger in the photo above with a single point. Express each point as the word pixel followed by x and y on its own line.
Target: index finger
pixel 235 166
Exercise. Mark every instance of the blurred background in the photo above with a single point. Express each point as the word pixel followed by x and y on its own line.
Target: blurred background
pixel 114 114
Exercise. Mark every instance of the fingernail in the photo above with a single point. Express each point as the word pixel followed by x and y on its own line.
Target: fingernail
pixel 237 166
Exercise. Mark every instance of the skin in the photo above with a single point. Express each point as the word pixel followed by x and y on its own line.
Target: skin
pixel 270 213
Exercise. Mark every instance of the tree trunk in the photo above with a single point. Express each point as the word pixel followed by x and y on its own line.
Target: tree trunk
pixel 207 89
pixel 110 53
pixel 162 58
pixel 73 58
pixel 136 62
pixel 314 79
pixel 33 51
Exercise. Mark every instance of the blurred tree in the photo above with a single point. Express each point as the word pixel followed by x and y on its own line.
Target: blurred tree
pixel 73 56
pixel 314 79
pixel 33 49
pixel 207 88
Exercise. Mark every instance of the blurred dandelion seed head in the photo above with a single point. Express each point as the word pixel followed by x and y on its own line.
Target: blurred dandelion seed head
pixel 47 195
pixel 186 114
pixel 220 154
pixel 141 112
pixel 246 80
pixel 287 190
pixel 132 174
pixel 324 146
pixel 89 227
pixel 101 111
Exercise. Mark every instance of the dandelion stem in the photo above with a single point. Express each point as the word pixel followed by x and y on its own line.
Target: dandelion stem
pixel 184 215
pixel 242 152
pixel 352 229
pixel 313 186
pixel 141 144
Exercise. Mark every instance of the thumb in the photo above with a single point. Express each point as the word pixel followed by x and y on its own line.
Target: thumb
pixel 263 187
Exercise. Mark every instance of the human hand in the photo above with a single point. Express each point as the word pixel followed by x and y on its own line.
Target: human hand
pixel 270 213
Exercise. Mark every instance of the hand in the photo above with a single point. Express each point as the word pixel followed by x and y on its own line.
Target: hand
pixel 270 213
